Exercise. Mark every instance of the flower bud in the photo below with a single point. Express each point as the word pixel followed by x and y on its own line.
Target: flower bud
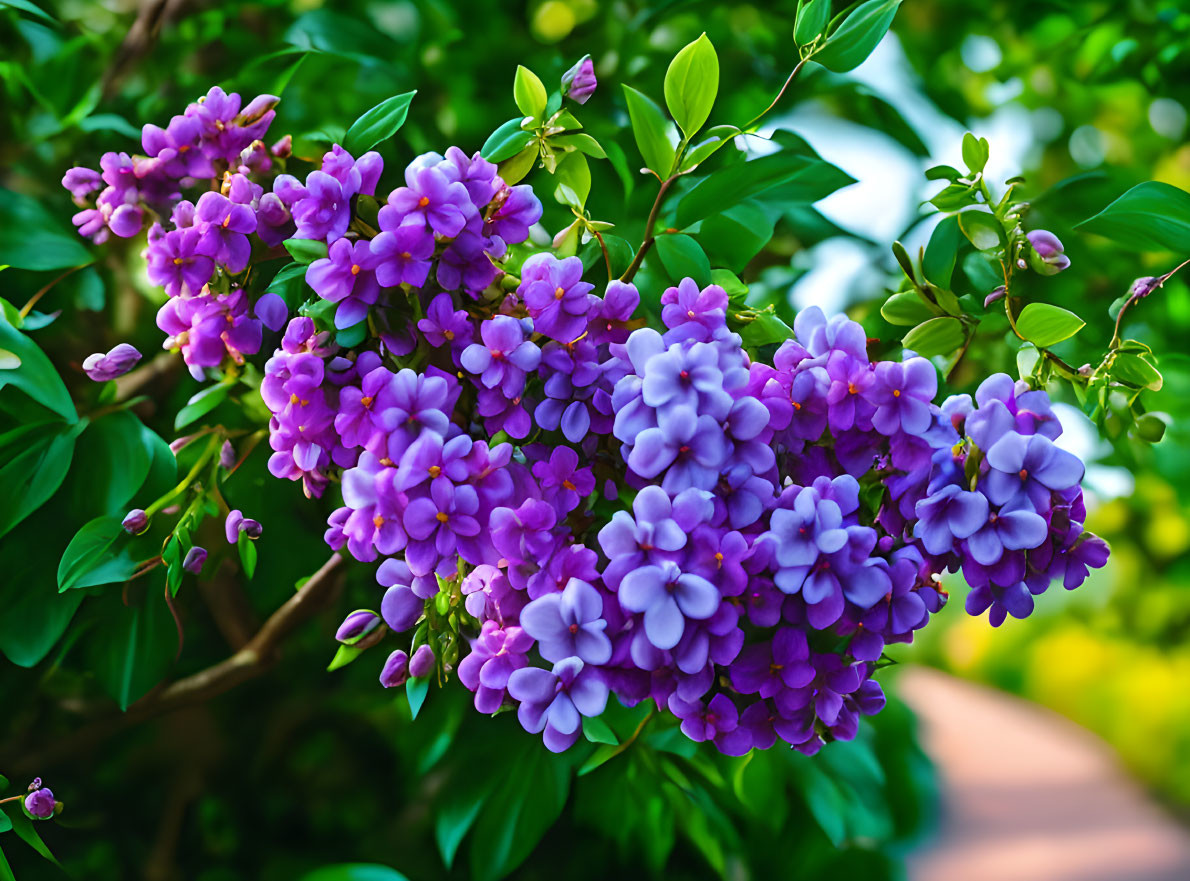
pixel 578 83
pixel 997 294
pixel 195 557
pixel 396 670
pixel 1045 253
pixel 40 803
pixel 422 662
pixel 227 455
pixel 102 367
pixel 135 521
pixel 251 528
pixel 283 148
pixel 257 107
pixel 36 784
pixel 1142 287
pixel 236 523
pixel 356 626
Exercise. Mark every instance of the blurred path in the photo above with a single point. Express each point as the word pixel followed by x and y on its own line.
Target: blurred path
pixel 1029 796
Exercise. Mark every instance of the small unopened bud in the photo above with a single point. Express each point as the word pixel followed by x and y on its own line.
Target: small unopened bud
pixel 422 662
pixel 997 294
pixel 356 626
pixel 102 367
pixel 257 107
pixel 236 523
pixel 885 544
pixel 195 557
pixel 1142 287
pixel 40 803
pixel 283 148
pixel 396 670
pixel 227 455
pixel 579 83
pixel 401 607
pixel 1045 253
pixel 36 784
pixel 176 446
pixel 251 528
pixel 135 521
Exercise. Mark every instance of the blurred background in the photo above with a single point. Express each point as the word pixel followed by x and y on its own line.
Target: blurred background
pixel 305 768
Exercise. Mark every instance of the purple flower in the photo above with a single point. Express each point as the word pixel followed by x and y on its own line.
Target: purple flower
pixel 347 276
pixel 568 624
pixel 179 263
pixel 403 255
pixel 554 701
pixel 667 597
pixel 396 670
pixel 691 313
pixel 434 524
pixel 224 230
pixel 1015 527
pixel 517 210
pixel 769 667
pixel 504 356
pixel 236 523
pixel 690 448
pixel 1045 253
pixel 902 394
pixel 495 656
pixel 563 481
pixel 429 198
pixel 444 324
pixel 117 362
pixel 40 803
pixel 195 557
pixel 1031 466
pixel 556 296
pixel 949 514
pixel 578 83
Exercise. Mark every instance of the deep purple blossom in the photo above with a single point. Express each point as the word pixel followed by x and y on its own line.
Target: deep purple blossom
pixel 554 701
pixel 116 362
pixel 556 296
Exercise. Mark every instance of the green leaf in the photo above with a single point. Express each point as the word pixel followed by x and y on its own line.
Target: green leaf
pixel 34 467
pixel 344 655
pixel 5 869
pixel 354 872
pixel 520 811
pixel 982 229
pixel 1044 325
pixel 1152 216
pixel 691 84
pixel 765 329
pixel 598 731
pixel 247 549
pixel 201 403
pixel 34 375
pixel 801 179
pixel 572 181
pixel 733 238
pixel 953 197
pixel 857 36
pixel 654 133
pixel 171 555
pixel 581 142
pixel 682 257
pixel 812 17
pixel 1150 427
pixel 512 170
pixel 455 819
pixel 305 250
pixel 290 284
pixel 26 6
pixel 133 649
pixel 938 336
pixel 506 141
pixel 416 691
pixel 975 152
pixel 350 337
pixel 906 309
pixel 100 553
pixel 31 238
pixel 1136 371
pixel 378 124
pixel 716 137
pixel 27 832
pixel 115 452
pixel 529 93
pixel 943 172
pixel 937 264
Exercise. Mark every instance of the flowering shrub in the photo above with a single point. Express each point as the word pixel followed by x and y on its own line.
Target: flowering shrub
pixel 581 488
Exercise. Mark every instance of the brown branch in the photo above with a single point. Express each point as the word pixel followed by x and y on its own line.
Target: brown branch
pixel 648 242
pixel 254 659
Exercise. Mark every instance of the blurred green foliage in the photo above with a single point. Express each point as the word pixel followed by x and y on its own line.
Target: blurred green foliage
pixel 303 768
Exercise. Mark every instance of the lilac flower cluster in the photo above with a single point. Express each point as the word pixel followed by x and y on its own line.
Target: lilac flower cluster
pixel 568 504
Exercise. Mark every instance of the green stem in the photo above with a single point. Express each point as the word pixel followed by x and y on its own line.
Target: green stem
pixel 648 241
pixel 212 446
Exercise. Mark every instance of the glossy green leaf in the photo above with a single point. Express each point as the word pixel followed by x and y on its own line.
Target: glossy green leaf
pixel 691 84
pixel 506 141
pixel 906 309
pixel 514 169
pixel 572 180
pixel 201 403
pixel 26 830
pixel 34 466
pixel 305 250
pixel 1044 325
pixel 529 92
pixel 354 872
pixel 247 548
pixel 581 142
pixel 953 197
pixel 132 649
pixel 766 328
pixel 802 179
pixel 733 238
pixel 34 10
pixel 682 257
pixel 31 238
pixel 857 36
pixel 812 17
pixel 938 336
pixel 597 731
pixel 34 375
pixel 350 337
pixel 937 263
pixel 982 229
pixel 943 172
pixel 716 137
pixel 975 152
pixel 654 133
pixel 378 124
pixel 456 818
pixel 416 691
pixel 1152 216
pixel 116 451
pixel 100 553
pixel 1136 371
pixel 1150 427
